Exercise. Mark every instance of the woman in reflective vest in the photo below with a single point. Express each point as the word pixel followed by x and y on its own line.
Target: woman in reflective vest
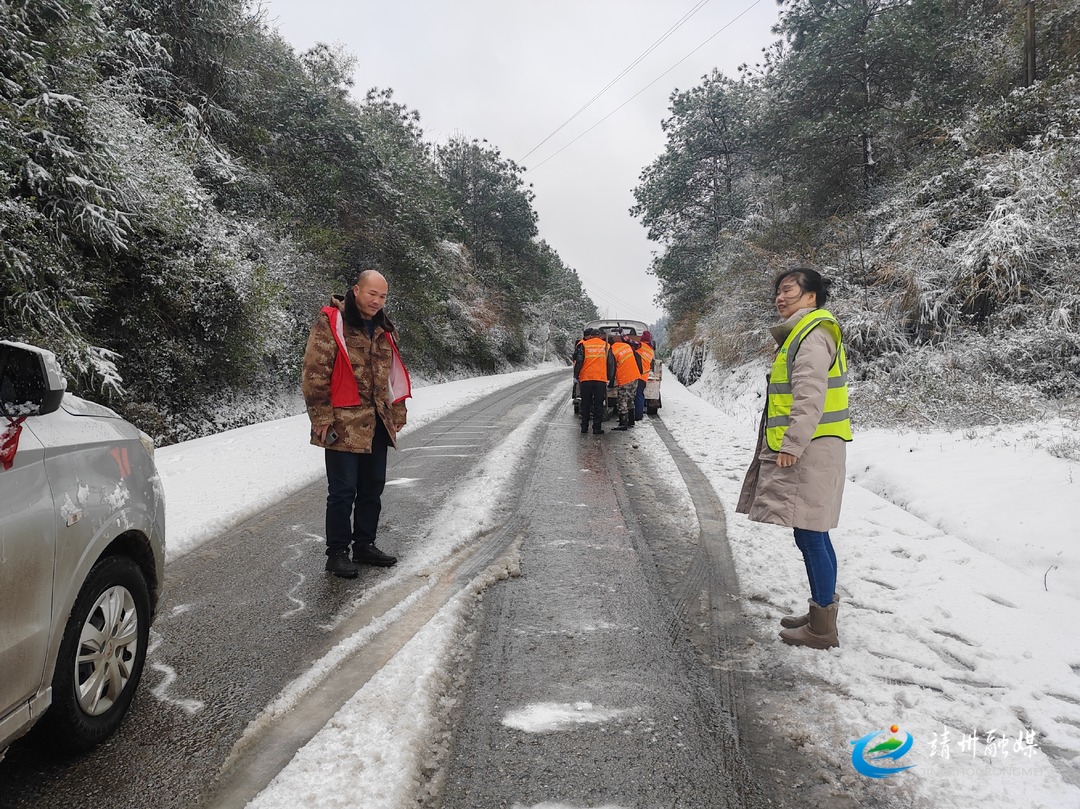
pixel 797 476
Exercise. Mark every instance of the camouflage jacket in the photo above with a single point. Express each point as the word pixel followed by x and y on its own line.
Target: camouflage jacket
pixel 371 358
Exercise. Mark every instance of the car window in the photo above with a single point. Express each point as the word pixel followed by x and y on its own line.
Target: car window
pixel 22 383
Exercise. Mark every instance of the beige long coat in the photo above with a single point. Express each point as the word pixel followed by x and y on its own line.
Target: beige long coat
pixel 371 359
pixel 808 494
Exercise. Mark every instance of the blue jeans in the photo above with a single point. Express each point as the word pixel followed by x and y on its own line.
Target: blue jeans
pixel 639 401
pixel 820 559
pixel 355 483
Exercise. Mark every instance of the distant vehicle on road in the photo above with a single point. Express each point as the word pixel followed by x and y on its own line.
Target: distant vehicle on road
pixel 82 549
pixel 652 386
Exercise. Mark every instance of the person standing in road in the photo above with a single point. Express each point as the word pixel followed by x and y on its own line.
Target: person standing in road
pixel 355 387
pixel 645 354
pixel 593 367
pixel 627 374
pixel 797 476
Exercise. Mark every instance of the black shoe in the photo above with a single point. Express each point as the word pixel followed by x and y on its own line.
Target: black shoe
pixel 599 431
pixel 368 554
pixel 629 425
pixel 621 428
pixel 584 429
pixel 338 563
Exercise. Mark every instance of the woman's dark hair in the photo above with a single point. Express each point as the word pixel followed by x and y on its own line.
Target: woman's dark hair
pixel 808 281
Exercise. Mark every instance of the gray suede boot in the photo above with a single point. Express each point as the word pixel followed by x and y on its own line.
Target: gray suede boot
pixel 793 621
pixel 819 632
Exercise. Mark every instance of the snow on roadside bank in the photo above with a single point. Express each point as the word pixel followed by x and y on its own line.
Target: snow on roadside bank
pixel 1012 491
pixel 949 641
pixel 243 472
pixel 996 488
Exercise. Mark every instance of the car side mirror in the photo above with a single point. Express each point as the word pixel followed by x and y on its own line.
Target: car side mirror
pixel 31 382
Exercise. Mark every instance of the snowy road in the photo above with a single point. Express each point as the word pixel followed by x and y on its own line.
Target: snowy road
pixel 583 691
pixel 624 667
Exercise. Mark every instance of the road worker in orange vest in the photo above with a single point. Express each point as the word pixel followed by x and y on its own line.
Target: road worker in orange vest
pixel 594 366
pixel 645 352
pixel 627 374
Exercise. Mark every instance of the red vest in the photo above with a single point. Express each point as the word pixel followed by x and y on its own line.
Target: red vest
pixel 343 389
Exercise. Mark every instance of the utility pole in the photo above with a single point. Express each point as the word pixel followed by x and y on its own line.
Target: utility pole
pixel 1029 44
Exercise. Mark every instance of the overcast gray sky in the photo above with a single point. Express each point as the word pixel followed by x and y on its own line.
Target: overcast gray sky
pixel 512 71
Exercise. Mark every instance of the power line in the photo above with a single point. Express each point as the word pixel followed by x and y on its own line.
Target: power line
pixel 646 87
pixel 625 70
pixel 610 295
pixel 611 300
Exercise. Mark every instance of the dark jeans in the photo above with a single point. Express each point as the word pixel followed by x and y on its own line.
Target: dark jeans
pixel 355 484
pixel 639 401
pixel 593 395
pixel 820 559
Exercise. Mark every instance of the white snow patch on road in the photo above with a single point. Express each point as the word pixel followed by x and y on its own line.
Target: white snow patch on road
pixel 295 691
pixel 382 747
pixel 550 805
pixel 679 514
pixel 484 499
pixel 946 627
pixel 215 483
pixel 547 717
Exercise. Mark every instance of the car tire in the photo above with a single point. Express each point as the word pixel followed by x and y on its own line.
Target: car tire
pixel 96 677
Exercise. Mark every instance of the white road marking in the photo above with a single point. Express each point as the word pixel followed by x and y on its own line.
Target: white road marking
pixel 289 595
pixel 190 706
pixel 439 446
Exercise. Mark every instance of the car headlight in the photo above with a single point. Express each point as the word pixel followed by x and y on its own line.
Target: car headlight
pixel 148 444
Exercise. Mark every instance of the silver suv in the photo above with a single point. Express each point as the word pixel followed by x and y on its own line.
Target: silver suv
pixel 82 526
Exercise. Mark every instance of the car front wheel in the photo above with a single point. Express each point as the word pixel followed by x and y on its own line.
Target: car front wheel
pixel 102 654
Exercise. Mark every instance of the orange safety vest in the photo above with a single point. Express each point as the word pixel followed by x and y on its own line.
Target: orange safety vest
pixel 594 368
pixel 626 369
pixel 344 391
pixel 645 351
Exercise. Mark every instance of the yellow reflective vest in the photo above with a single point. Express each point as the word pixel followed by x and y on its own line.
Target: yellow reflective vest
pixel 835 420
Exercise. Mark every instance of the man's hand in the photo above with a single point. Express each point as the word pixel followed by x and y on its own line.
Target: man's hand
pixel 321 430
pixel 784 460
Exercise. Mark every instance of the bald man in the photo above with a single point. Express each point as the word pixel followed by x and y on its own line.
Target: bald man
pixel 354 418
